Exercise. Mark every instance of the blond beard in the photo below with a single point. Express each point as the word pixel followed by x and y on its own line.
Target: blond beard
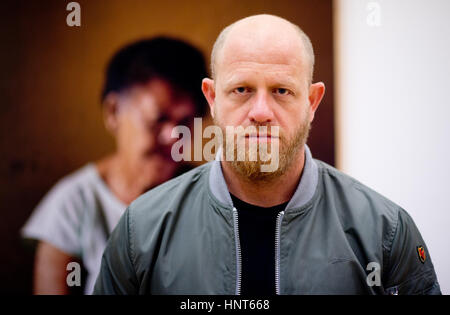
pixel 251 170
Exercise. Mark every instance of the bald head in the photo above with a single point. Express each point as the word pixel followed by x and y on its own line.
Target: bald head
pixel 267 33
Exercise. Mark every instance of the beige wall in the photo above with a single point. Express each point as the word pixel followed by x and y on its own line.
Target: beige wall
pixel 393 109
pixel 50 119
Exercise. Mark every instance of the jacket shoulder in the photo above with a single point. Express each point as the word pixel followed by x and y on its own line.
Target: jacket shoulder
pixel 380 225
pixel 159 210
pixel 370 216
pixel 160 197
pixel 358 195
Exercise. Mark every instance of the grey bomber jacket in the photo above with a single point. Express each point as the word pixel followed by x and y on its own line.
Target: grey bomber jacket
pixel 336 236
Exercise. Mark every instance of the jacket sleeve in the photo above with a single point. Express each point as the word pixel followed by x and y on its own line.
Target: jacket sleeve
pixel 410 270
pixel 117 273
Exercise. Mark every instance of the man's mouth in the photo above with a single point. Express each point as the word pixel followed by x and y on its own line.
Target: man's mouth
pixel 261 137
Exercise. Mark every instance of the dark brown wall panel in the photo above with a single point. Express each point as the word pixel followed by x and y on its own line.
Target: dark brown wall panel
pixel 50 81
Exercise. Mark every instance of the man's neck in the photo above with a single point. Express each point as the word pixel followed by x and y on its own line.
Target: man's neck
pixel 266 193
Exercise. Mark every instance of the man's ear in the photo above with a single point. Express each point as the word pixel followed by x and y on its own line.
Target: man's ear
pixel 316 92
pixel 111 111
pixel 210 93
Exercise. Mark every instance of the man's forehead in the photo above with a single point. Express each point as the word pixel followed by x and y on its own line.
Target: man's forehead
pixel 239 64
pixel 263 46
pixel 261 55
pixel 242 71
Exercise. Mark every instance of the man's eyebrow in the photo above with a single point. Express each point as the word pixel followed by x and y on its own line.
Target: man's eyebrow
pixel 285 81
pixel 244 80
pixel 234 80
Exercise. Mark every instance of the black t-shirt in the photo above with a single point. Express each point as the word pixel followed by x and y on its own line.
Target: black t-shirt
pixel 257 227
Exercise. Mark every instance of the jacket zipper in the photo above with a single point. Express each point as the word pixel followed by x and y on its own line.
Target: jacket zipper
pixel 238 252
pixel 277 252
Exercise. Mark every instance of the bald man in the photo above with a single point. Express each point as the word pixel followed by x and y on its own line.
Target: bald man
pixel 232 226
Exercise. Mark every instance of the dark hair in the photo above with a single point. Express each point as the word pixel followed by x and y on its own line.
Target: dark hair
pixel 174 60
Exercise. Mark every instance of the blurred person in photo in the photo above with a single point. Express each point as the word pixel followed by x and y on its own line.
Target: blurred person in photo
pixel 150 87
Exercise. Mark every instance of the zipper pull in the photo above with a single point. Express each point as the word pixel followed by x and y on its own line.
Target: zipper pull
pixel 392 290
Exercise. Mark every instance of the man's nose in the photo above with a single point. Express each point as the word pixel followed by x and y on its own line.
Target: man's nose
pixel 261 111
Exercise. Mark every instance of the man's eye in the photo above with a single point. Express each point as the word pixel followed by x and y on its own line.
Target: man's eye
pixel 281 91
pixel 241 90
